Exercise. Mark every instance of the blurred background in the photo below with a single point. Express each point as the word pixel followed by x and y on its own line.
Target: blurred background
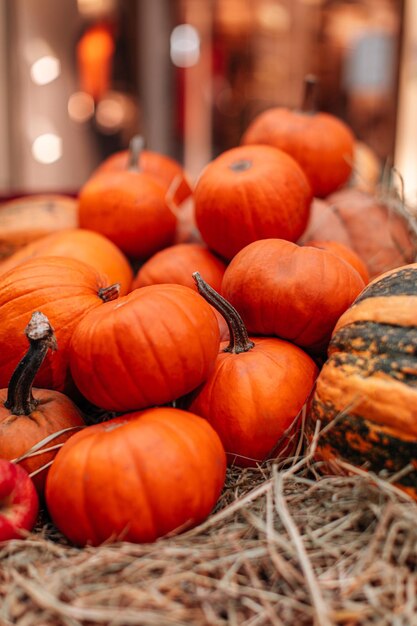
pixel 79 77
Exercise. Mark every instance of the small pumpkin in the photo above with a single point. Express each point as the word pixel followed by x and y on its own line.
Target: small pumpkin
pixel 321 143
pixel 249 193
pixel 148 348
pixel 377 226
pixel 255 394
pixel 293 292
pixel 81 244
pixel 345 253
pixel 176 264
pixel 64 289
pixel 164 169
pixel 27 415
pixel 366 392
pixel 130 208
pixel 136 477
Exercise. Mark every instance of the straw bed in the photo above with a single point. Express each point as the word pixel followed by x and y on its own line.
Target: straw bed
pixel 285 546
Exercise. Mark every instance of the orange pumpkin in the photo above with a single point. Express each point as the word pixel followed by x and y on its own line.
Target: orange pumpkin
pixel 64 289
pixel 148 348
pixel 165 170
pixel 250 193
pixel 254 396
pixel 321 143
pixel 27 418
pixel 136 477
pixel 130 208
pixel 379 229
pixel 84 245
pixel 176 264
pixel 345 253
pixel 294 292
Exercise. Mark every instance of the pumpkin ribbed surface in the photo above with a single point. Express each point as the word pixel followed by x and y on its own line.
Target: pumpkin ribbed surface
pixel 368 385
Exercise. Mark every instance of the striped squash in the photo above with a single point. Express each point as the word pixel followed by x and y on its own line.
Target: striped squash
pixel 368 385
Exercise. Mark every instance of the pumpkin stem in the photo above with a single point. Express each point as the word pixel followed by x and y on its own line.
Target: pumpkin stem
pixel 136 145
pixel 40 334
pixel 109 293
pixel 239 340
pixel 241 165
pixel 309 104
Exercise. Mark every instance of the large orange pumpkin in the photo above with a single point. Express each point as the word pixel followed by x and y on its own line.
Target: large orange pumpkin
pixel 131 208
pixel 321 143
pixel 254 396
pixel 150 347
pixel 81 244
pixel 366 393
pixel 64 290
pixel 250 193
pixel 136 477
pixel 294 292
pixel 29 415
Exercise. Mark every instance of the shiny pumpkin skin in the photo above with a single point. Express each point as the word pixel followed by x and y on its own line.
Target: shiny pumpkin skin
pixel 18 433
pixel 293 292
pixel 149 347
pixel 130 209
pixel 161 167
pixel 64 290
pixel 343 252
pixel 252 399
pixel 136 477
pixel 322 144
pixel 378 235
pixel 176 264
pixel 368 385
pixel 84 245
pixel 249 193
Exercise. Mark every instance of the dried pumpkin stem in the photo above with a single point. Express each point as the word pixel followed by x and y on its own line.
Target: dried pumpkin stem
pixel 309 104
pixel 40 334
pixel 136 145
pixel 239 340
pixel 109 293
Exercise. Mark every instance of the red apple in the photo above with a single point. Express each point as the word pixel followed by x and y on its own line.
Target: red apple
pixel 19 503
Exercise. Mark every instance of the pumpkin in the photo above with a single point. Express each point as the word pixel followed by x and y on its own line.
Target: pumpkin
pixel 254 396
pixel 85 245
pixel 64 289
pixel 136 477
pixel 176 264
pixel 165 170
pixel 366 393
pixel 377 227
pixel 249 193
pixel 345 253
pixel 150 347
pixel 27 416
pixel 294 292
pixel 321 143
pixel 130 208
pixel 26 219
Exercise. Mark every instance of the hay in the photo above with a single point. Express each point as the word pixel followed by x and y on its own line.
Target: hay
pixel 285 546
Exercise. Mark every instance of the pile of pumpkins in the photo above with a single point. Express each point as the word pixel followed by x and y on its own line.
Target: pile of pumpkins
pixel 285 294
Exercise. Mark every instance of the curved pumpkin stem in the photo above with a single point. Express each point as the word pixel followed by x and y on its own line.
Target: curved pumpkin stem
pixel 309 104
pixel 40 334
pixel 136 145
pixel 239 340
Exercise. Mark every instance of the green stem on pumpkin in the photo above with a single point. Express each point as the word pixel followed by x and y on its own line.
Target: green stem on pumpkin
pixel 136 145
pixel 309 104
pixel 239 340
pixel 40 334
